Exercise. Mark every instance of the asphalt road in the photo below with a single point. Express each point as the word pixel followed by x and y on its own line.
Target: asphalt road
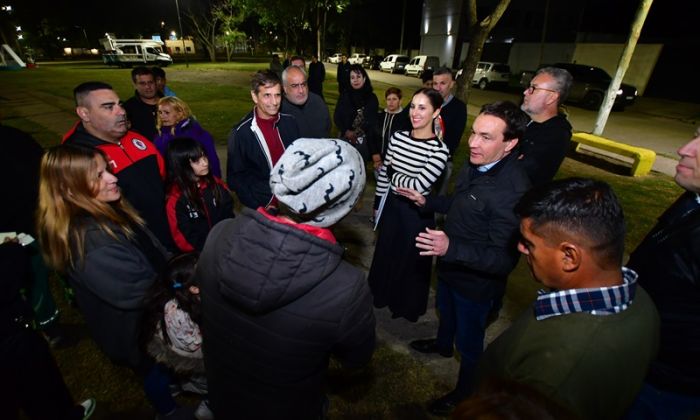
pixel 656 124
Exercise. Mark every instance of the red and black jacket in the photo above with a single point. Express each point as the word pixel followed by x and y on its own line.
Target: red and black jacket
pixel 189 226
pixel 140 171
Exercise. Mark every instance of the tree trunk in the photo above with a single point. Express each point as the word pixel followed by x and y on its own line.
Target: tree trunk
pixel 476 48
pixel 479 32
pixel 625 59
pixel 318 32
pixel 323 44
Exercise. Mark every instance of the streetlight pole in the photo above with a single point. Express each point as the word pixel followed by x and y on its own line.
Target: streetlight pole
pixel 182 34
pixel 87 41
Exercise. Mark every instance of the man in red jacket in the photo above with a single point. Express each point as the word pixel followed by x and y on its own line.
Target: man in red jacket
pixel 132 157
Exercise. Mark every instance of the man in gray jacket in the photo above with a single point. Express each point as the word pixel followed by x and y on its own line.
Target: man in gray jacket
pixel 308 108
pixel 277 298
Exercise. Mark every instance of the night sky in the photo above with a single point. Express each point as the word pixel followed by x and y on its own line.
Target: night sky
pixel 379 19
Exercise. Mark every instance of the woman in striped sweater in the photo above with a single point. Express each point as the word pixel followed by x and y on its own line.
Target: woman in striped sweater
pixel 399 277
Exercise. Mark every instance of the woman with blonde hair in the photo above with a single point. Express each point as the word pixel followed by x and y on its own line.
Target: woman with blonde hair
pixel 93 236
pixel 175 120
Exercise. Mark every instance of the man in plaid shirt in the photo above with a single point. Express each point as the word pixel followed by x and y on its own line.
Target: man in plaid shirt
pixel 587 341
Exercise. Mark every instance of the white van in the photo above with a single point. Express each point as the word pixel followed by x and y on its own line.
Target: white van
pixel 421 63
pixel 128 52
pixel 394 63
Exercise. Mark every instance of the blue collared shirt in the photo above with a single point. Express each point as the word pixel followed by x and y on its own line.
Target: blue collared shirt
pixel 485 168
pixel 596 301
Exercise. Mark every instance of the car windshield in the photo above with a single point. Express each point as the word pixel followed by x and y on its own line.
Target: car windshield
pixel 402 59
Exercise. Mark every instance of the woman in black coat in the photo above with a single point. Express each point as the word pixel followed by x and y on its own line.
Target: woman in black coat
pixel 90 233
pixel 356 112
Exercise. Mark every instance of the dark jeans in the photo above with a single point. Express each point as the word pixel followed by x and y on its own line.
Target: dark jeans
pixel 462 322
pixel 156 386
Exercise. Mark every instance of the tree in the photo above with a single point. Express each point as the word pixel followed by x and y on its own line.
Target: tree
pixel 205 25
pixel 231 14
pixel 478 31
pixel 289 17
pixel 218 23
pixel 322 8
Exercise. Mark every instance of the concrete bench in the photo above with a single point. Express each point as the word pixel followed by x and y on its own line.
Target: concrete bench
pixel 643 158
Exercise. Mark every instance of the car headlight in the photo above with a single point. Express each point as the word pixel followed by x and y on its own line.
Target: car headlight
pixel 619 91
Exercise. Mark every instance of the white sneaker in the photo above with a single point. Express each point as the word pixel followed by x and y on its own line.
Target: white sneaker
pixel 88 407
pixel 203 412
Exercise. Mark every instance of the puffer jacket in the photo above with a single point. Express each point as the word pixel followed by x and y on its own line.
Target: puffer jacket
pixel 111 282
pixel 277 303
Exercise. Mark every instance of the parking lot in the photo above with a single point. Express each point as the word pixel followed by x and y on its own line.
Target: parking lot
pixel 657 124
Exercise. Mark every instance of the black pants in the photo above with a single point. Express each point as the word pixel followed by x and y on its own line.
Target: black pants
pixel 30 380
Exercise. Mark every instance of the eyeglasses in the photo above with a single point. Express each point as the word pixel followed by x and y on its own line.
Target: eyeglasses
pixel 298 85
pixel 532 88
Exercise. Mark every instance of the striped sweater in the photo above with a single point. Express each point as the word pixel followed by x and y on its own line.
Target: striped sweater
pixel 415 164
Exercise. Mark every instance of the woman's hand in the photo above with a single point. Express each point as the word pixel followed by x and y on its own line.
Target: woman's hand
pixel 413 195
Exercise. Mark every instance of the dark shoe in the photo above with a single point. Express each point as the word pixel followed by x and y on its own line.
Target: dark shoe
pixel 180 413
pixel 430 346
pixel 446 404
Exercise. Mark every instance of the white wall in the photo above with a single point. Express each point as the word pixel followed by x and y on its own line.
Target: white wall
pixel 526 56
pixel 439 27
pixel 607 57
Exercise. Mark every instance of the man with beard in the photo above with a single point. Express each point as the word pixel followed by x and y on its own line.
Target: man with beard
pixel 548 134
pixel 307 107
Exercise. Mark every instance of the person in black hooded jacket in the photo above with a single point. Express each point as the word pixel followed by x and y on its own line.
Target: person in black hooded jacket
pixel 356 112
pixel 277 298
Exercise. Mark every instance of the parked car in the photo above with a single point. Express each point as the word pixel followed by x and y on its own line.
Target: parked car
pixel 489 73
pixel 394 63
pixel 372 62
pixel 590 86
pixel 335 58
pixel 357 58
pixel 421 63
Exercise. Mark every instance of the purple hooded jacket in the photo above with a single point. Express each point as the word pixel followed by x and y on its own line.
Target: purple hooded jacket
pixel 189 127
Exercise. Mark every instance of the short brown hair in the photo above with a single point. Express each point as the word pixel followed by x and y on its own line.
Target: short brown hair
pixel 393 91
pixel 264 78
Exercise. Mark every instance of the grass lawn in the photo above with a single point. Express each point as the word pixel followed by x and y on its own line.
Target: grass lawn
pixel 394 386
